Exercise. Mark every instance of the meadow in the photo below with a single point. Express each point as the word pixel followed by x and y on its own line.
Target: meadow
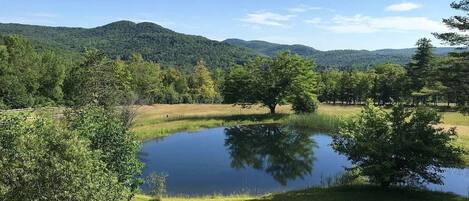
pixel 338 193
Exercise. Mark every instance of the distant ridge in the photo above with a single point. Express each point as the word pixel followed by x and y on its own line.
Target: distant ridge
pixel 122 38
pixel 336 58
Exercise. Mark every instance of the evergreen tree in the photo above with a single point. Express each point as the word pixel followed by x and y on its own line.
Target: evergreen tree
pixel 457 71
pixel 420 67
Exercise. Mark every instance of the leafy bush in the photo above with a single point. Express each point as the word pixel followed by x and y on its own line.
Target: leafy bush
pixel 109 135
pixel 39 160
pixel 401 147
pixel 157 184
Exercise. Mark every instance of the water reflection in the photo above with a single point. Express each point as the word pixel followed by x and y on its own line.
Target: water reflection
pixel 284 153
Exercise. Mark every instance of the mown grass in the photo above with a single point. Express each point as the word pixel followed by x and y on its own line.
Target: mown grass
pixel 338 193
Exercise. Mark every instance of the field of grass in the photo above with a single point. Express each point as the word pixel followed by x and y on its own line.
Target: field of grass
pixel 160 120
pixel 340 193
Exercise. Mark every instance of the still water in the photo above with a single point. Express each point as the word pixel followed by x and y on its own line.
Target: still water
pixel 254 159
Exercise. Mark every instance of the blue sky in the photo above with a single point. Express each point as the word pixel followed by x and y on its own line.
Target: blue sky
pixel 324 25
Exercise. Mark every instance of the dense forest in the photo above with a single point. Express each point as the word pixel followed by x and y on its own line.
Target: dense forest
pixel 338 59
pixel 171 49
pixel 123 38
pixel 31 77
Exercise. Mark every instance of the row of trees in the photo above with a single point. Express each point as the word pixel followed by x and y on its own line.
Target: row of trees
pixel 426 79
pixel 30 78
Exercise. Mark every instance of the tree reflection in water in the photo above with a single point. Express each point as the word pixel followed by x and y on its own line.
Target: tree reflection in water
pixel 282 152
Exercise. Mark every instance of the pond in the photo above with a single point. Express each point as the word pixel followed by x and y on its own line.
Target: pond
pixel 254 159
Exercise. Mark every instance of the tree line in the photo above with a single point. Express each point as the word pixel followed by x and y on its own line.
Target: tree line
pixel 32 77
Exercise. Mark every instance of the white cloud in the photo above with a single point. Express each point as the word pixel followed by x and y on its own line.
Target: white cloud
pixel 406 6
pixel 303 8
pixel 366 24
pixel 267 18
pixel 314 21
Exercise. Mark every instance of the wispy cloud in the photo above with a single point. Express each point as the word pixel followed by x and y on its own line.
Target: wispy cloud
pixel 406 6
pixel 367 24
pixel 314 21
pixel 267 19
pixel 304 8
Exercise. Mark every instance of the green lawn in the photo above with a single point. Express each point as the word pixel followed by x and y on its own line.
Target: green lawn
pixel 341 193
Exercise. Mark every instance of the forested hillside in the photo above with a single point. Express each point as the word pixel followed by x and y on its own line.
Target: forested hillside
pixel 122 38
pixel 171 49
pixel 342 59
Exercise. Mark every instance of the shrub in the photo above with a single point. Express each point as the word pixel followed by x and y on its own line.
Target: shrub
pixel 39 160
pixel 401 147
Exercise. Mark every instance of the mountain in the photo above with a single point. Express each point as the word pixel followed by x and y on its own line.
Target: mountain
pixel 122 38
pixel 335 58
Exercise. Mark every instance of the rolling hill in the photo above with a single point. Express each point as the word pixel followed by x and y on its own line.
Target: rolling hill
pixel 343 59
pixel 122 38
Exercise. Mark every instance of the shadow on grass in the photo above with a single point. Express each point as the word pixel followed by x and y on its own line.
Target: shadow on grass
pixel 362 193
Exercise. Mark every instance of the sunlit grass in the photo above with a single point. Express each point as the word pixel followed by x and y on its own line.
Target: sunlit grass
pixel 338 193
pixel 199 198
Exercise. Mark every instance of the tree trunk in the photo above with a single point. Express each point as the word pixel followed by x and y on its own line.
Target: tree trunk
pixel 272 108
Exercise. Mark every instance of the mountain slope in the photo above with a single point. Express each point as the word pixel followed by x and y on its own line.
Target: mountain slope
pixel 169 48
pixel 122 38
pixel 335 58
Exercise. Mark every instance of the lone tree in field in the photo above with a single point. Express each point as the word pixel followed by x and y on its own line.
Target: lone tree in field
pixel 283 79
pixel 401 147
pixel 457 73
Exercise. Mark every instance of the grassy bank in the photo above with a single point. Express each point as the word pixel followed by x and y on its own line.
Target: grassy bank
pixel 161 120
pixel 340 193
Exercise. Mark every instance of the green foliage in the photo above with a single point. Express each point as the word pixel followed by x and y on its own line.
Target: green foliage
pixel 389 84
pixel 28 78
pixel 201 85
pixel 121 39
pixel 401 147
pixel 157 184
pixel 336 59
pixel 40 160
pixel 147 79
pixel 284 78
pixel 455 72
pixel 97 81
pixel 109 134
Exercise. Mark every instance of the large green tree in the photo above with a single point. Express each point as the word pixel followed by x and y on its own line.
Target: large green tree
pixel 404 146
pixel 147 80
pixel 201 84
pixel 420 69
pixel 97 81
pixel 389 83
pixel 273 81
pixel 456 71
